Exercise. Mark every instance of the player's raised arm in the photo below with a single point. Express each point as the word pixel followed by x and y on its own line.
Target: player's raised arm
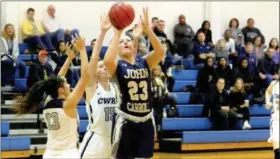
pixel 154 57
pixel 91 86
pixel 70 56
pixel 73 99
pixel 268 94
pixel 136 33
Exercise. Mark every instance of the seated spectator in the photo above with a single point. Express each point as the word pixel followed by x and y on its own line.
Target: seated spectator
pixel 161 96
pixel 89 51
pixel 247 52
pixel 166 66
pixel 142 50
pixel 250 32
pixel 60 57
pixel 183 36
pixel 258 48
pixel 267 69
pixel 40 70
pixel 205 28
pixel 230 44
pixel 9 47
pixel 275 45
pixel 53 26
pixel 202 49
pixel 220 49
pixel 34 34
pixel 243 72
pixel 142 39
pixel 236 33
pixel 206 76
pixel 159 31
pixel 224 71
pixel 222 117
pixel 238 102
pixel 154 22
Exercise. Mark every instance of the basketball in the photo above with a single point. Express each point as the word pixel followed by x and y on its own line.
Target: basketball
pixel 121 15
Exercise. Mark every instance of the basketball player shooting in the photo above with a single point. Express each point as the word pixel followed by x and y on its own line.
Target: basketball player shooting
pixel 133 127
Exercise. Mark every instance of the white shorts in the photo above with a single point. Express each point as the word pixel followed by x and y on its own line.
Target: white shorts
pixel 71 153
pixel 274 131
pixel 95 146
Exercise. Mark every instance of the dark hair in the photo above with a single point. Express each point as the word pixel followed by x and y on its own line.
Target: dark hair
pixel 204 23
pixel 32 100
pixel 271 42
pixel 58 44
pixel 93 40
pixel 250 19
pixel 30 10
pixel 154 18
pixel 234 19
pixel 165 43
pixel 257 38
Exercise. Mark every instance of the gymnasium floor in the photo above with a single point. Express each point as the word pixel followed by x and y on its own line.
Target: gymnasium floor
pixel 252 154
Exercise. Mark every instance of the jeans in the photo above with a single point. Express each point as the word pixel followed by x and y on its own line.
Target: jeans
pixel 21 67
pixel 222 120
pixel 57 36
pixel 68 38
pixel 44 41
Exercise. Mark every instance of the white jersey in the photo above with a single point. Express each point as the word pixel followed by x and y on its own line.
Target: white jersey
pixel 275 100
pixel 101 109
pixel 62 130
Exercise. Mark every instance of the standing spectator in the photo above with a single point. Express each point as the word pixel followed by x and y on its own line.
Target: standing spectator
pixel 159 31
pixel 183 36
pixel 202 49
pixel 222 117
pixel 206 76
pixel 238 102
pixel 9 47
pixel 267 69
pixel 34 34
pixel 220 49
pixel 258 48
pixel 142 51
pixel 275 45
pixel 250 32
pixel 236 33
pixel 40 70
pixel 247 52
pixel 205 28
pixel 243 72
pixel 154 22
pixel 224 71
pixel 53 26
pixel 230 44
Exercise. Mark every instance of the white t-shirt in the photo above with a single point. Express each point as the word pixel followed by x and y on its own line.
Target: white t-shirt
pixel 230 45
pixel 51 23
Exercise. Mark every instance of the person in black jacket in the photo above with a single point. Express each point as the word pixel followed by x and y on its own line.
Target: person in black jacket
pixel 218 103
pixel 205 27
pixel 250 32
pixel 206 76
pixel 238 102
pixel 224 71
pixel 242 71
pixel 40 70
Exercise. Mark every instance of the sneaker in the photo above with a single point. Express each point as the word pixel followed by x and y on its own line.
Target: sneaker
pixel 246 126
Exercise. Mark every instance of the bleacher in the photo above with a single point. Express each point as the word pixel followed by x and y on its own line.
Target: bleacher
pixel 188 132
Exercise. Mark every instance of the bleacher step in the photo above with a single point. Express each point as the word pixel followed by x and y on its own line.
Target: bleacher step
pixel 13 117
pixel 29 132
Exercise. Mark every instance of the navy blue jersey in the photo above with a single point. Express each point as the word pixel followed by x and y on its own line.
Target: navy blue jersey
pixel 135 87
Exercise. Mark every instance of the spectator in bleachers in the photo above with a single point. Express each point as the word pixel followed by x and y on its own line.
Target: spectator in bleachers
pixel 243 72
pixel 205 28
pixel 202 49
pixel 142 50
pixel 40 70
pixel 224 71
pixel 220 49
pixel 206 76
pixel 250 32
pixel 34 34
pixel 161 95
pixel 89 51
pixel 275 45
pixel 247 52
pixel 9 48
pixel 258 48
pixel 239 103
pixel 159 31
pixel 236 33
pixel 230 44
pixel 183 36
pixel 154 22
pixel 53 26
pixel 222 117
pixel 267 69
pixel 166 66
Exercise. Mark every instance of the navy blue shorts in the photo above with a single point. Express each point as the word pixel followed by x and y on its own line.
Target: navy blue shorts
pixel 132 139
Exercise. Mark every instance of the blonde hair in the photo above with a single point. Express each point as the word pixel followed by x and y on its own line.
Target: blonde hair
pixel 235 89
pixel 4 34
pixel 220 46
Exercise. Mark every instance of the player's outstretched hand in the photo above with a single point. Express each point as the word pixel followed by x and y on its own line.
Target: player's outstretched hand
pixel 137 30
pixel 105 22
pixel 70 52
pixel 79 42
pixel 145 20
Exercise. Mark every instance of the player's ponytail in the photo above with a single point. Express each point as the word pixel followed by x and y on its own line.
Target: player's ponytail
pixel 30 103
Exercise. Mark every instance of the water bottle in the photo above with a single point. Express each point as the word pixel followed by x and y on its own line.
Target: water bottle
pixel 164 115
